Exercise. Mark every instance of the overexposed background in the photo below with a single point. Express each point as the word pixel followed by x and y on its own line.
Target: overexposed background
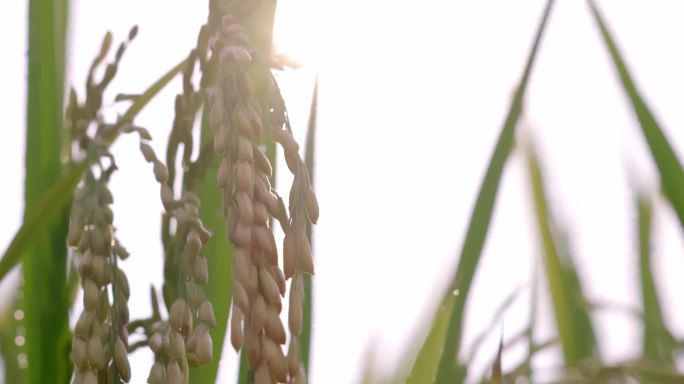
pixel 412 97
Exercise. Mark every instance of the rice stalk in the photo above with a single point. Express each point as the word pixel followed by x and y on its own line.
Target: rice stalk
pixel 45 258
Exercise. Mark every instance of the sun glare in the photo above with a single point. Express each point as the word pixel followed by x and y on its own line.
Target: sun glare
pixel 298 33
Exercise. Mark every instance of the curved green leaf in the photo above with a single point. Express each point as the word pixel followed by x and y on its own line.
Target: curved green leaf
pixel 572 320
pixel 449 371
pixel 669 166
pixel 658 342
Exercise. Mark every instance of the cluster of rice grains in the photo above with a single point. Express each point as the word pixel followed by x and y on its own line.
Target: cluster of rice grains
pixel 249 202
pixel 177 345
pixel 100 335
pixel 100 339
pixel 240 125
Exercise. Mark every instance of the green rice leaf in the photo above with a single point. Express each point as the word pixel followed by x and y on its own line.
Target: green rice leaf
pixel 46 301
pixel 658 342
pixel 309 156
pixel 58 195
pixel 669 166
pixel 425 367
pixel 448 371
pixel 572 320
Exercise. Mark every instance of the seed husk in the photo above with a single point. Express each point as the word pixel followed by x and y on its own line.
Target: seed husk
pixel 121 360
pixel 241 265
pixel 311 204
pixel 262 163
pixel 201 270
pixel 160 172
pixel 157 374
pixel 293 356
pixel 289 254
pixel 245 151
pixel 224 173
pixel 79 351
pixel 241 298
pixel 269 287
pixel 276 360
pixel 274 327
pixel 244 176
pixel 295 314
pixel 96 355
pixel 90 377
pixel 176 345
pixel 173 373
pixel 257 318
pixel 156 342
pixel 205 313
pixel 177 313
pixel 204 347
pixel 91 294
pixel 262 375
pixel 245 211
pixel 236 336
pixel 148 152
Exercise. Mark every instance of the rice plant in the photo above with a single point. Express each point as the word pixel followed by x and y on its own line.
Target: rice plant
pixel 224 276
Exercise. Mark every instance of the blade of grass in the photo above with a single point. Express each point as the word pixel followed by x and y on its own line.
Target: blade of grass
pixel 669 166
pixel 45 290
pixel 572 319
pixel 657 347
pixel 309 155
pixel 219 253
pixel 476 234
pixel 424 369
pixel 58 196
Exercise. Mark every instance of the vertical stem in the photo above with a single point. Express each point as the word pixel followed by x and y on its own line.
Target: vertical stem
pixel 45 288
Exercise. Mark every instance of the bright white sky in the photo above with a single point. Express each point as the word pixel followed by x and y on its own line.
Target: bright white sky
pixel 412 97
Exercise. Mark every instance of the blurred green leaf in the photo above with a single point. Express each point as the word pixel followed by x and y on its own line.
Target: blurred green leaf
pixel 58 196
pixel 657 345
pixel 669 167
pixel 309 156
pixel 572 319
pixel 425 367
pixel 45 289
pixel 449 371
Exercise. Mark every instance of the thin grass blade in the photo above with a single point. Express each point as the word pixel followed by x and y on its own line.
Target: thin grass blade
pixel 46 301
pixel 572 320
pixel 669 166
pixel 449 371
pixel 309 156
pixel 657 345
pixel 424 369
